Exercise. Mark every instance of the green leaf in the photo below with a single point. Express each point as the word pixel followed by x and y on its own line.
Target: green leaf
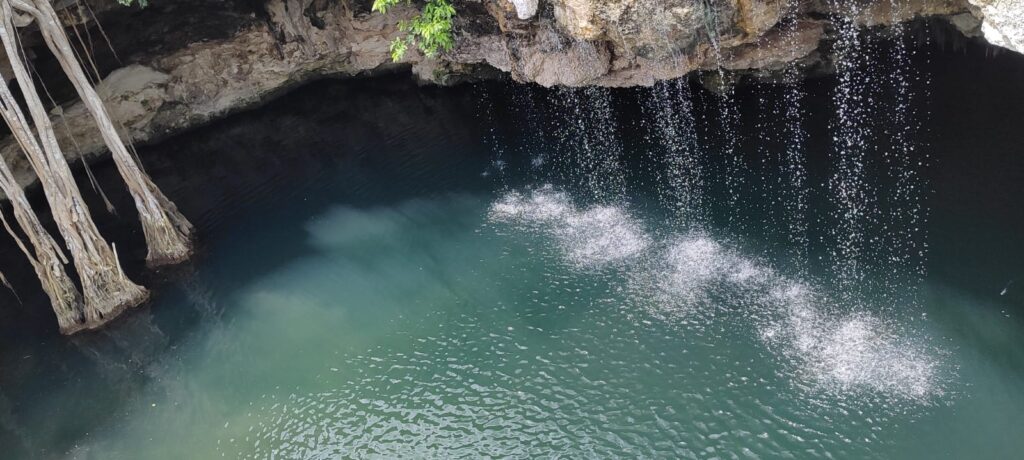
pixel 382 6
pixel 398 48
pixel 430 31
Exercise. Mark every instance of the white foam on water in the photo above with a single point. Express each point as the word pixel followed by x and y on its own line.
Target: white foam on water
pixel 540 206
pixel 850 352
pixel 692 269
pixel 840 352
pixel 829 348
pixel 601 235
pixel 589 238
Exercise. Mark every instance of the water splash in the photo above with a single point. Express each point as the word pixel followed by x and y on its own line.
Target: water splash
pixel 589 238
pixel 832 347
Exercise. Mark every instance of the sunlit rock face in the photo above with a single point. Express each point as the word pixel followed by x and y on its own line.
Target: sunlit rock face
pixel 661 28
pixel 1002 22
pixel 638 42
pixel 525 9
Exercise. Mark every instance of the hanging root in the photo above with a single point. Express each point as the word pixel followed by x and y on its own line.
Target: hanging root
pixel 74 142
pixel 7 284
pixel 106 292
pixel 45 256
pixel 168 233
pixel 169 239
pixel 99 26
pixel 47 263
pixel 108 295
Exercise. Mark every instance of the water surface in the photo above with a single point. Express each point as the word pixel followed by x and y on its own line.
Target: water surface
pixel 426 273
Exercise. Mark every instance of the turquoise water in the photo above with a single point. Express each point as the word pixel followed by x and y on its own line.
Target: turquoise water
pixel 417 273
pixel 465 325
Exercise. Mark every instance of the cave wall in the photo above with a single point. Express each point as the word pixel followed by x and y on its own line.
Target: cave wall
pixel 181 64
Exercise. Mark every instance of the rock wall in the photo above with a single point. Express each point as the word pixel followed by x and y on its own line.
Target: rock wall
pixel 1002 22
pixel 191 61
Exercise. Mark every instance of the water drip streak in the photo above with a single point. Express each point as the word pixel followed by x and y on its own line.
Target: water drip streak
pixel 728 123
pixel 678 164
pixel 794 169
pixel 853 199
pixel 905 162
pixel 796 172
pixel 590 151
pixel 680 177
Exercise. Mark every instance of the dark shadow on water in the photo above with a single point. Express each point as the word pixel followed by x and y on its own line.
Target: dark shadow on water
pixel 360 142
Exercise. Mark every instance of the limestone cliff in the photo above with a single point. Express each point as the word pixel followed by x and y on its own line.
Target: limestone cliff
pixel 180 64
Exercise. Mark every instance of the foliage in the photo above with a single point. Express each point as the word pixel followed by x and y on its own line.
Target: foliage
pixel 430 30
pixel 142 3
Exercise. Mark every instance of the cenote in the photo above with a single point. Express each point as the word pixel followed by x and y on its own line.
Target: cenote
pixel 497 269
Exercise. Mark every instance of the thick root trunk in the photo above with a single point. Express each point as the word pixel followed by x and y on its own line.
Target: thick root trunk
pixel 45 257
pixel 64 297
pixel 168 233
pixel 169 239
pixel 109 294
pixel 167 248
pixel 106 290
